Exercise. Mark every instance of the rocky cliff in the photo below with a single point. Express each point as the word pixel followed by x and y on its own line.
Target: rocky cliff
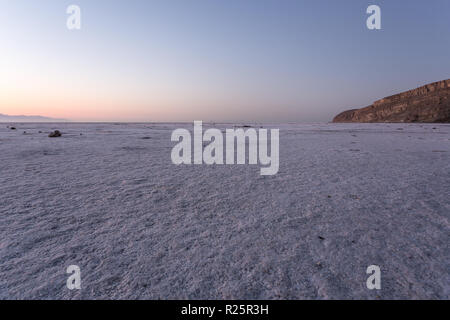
pixel 429 103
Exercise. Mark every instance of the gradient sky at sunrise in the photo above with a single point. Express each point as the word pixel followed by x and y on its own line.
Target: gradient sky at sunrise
pixel 210 60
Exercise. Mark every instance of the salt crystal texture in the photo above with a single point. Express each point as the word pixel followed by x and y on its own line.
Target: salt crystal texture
pixel 347 196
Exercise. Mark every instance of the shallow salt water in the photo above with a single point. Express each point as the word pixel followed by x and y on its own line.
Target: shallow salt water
pixel 106 197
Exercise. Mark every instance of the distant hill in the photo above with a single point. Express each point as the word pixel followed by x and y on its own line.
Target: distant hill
pixel 429 103
pixel 8 118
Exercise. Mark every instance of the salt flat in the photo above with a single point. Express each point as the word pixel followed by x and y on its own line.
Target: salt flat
pixel 110 200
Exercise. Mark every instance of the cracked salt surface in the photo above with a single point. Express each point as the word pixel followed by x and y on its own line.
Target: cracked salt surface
pixel 347 196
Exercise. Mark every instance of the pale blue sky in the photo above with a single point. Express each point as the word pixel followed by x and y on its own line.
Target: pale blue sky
pixel 261 60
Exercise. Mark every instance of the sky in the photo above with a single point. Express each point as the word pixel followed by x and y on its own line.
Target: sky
pixel 211 60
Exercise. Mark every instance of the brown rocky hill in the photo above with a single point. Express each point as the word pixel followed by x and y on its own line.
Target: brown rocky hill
pixel 429 103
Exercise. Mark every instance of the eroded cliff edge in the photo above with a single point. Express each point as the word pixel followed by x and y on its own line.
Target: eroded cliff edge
pixel 429 103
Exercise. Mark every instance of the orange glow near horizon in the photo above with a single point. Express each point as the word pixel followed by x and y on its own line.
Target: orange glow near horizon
pixel 165 61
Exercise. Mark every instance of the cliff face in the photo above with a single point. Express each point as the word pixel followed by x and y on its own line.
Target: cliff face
pixel 430 103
